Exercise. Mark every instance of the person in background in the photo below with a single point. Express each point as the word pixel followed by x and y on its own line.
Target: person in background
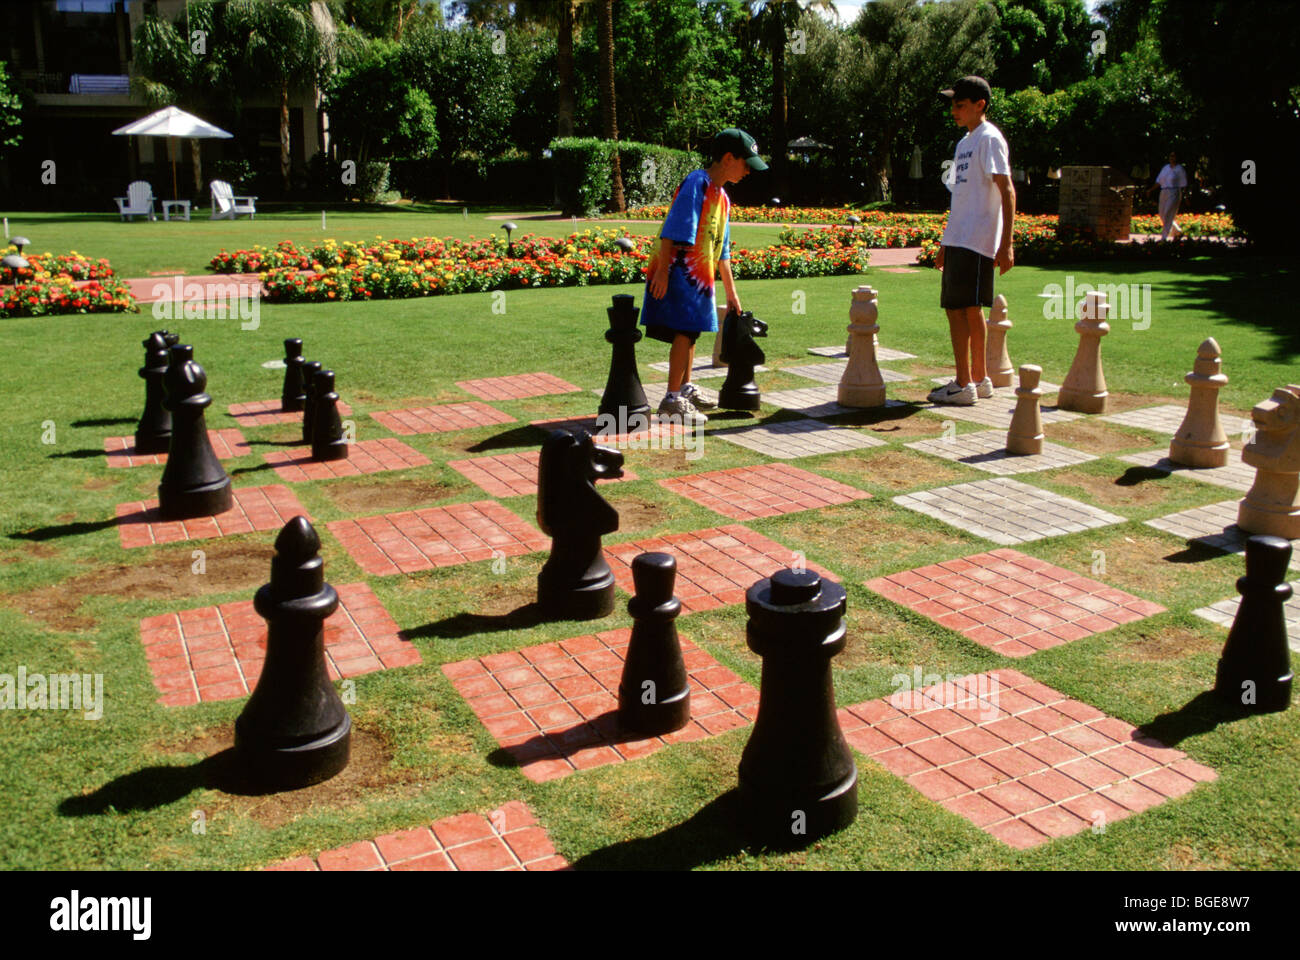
pixel 1171 181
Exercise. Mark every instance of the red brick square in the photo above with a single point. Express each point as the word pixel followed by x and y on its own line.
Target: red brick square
pixel 441 419
pixel 413 540
pixel 219 650
pixel 767 490
pixel 516 387
pixel 369 456
pixel 508 474
pixel 1005 594
pixel 253 508
pixel 121 451
pixel 262 413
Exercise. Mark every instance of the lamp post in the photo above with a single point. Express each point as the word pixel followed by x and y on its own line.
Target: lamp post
pixel 854 220
pixel 509 227
pixel 625 244
pixel 19 242
pixel 13 263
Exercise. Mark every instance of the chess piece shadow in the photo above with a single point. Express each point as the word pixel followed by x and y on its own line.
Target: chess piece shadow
pixel 709 835
pixel 86 453
pixel 104 422
pixel 1135 475
pixel 742 355
pixel 526 436
pixel 576 583
pixel 1203 713
pixel 466 624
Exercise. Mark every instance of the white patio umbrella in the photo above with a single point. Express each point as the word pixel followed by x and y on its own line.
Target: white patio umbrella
pixel 172 122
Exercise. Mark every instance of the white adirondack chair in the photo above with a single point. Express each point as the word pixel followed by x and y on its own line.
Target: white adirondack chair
pixel 227 206
pixel 138 200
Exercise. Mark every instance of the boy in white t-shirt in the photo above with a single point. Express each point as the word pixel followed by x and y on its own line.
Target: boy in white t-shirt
pixel 978 235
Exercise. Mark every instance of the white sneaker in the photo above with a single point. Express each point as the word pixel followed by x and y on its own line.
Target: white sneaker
pixel 680 408
pixel 984 389
pixel 954 394
pixel 697 397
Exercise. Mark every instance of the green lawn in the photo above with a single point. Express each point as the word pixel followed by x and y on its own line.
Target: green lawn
pixel 121 792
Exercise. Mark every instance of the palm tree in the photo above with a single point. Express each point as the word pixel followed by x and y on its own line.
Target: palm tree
pixel 608 111
pixel 770 23
pixel 282 43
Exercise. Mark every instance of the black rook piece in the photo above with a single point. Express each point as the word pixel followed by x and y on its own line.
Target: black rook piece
pixel 309 371
pixel 742 355
pixel 327 441
pixel 1255 668
pixel 294 730
pixel 624 396
pixel 154 432
pixel 292 396
pixel 653 695
pixel 798 781
pixel 194 484
pixel 576 582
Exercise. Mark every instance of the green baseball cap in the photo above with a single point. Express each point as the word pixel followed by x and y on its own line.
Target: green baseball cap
pixel 739 144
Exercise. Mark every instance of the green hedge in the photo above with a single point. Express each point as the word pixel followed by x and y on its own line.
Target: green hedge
pixel 651 173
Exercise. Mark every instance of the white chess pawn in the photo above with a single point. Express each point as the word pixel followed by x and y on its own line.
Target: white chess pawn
pixel 995 344
pixel 1084 388
pixel 1025 436
pixel 1200 441
pixel 862 385
pixel 1273 504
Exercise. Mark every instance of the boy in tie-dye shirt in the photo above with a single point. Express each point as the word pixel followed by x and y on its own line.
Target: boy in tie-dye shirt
pixel 694 248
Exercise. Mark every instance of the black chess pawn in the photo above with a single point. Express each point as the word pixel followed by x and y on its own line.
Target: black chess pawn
pixel 798 781
pixel 1255 668
pixel 294 731
pixel 309 371
pixel 654 696
pixel 194 484
pixel 576 582
pixel 624 397
pixel 327 440
pixel 742 355
pixel 171 339
pixel 153 434
pixel 292 395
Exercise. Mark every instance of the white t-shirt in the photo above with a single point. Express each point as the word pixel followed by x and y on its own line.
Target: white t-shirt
pixel 976 218
pixel 1174 176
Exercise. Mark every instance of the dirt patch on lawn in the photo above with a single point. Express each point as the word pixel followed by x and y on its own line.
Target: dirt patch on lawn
pixel 897 469
pixel 846 531
pixel 392 495
pixel 227 566
pixel 368 770
pixel 635 513
pixel 1094 437
pixel 1109 491
pixel 99 483
pixel 1136 562
pixel 503 599
pixel 31 551
pixel 1171 643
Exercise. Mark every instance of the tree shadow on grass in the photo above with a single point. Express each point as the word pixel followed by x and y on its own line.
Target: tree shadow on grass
pixel 155 787
pixel 466 624
pixel 711 834
pixel 65 530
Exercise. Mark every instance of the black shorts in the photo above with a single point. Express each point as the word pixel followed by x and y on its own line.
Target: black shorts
pixel 967 279
pixel 657 331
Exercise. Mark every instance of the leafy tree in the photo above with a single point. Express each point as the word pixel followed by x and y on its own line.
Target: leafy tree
pixel 1041 43
pixel 1125 22
pixel 11 111
pixel 608 100
pixel 375 109
pixel 279 43
pixel 388 18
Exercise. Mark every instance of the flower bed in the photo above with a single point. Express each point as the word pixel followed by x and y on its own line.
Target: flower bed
pixel 1049 248
pixel 431 266
pixel 894 224
pixel 49 286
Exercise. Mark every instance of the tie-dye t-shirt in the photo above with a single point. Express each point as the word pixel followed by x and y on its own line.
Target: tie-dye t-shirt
pixel 699 221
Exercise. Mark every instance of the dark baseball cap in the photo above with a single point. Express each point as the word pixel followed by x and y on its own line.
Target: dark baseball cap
pixel 739 144
pixel 969 88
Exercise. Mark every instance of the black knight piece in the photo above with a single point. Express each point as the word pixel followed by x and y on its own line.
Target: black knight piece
pixel 1255 668
pixel 194 484
pixel 798 781
pixel 294 731
pixel 742 355
pixel 309 371
pixel 576 582
pixel 327 440
pixel 653 695
pixel 154 432
pixel 624 397
pixel 292 395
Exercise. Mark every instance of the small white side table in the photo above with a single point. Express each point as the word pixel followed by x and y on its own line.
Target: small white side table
pixel 169 205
